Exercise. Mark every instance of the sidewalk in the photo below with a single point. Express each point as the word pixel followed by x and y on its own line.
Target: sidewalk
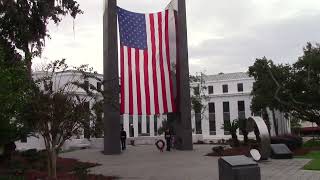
pixel 146 162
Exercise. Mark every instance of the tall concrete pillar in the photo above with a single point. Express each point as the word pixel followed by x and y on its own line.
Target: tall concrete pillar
pixel 111 80
pixel 183 126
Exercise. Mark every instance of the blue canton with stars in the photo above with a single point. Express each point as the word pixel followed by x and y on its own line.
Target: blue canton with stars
pixel 132 27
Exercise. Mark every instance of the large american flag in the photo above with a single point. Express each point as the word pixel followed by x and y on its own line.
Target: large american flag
pixel 147 62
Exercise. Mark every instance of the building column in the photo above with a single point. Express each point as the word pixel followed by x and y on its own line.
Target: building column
pixel 205 123
pixel 135 125
pixel 193 122
pixel 219 118
pixel 126 123
pixel 144 123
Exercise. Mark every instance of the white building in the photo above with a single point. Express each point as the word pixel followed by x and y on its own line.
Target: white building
pixel 228 99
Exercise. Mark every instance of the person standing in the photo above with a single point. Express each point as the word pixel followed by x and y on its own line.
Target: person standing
pixel 123 138
pixel 168 136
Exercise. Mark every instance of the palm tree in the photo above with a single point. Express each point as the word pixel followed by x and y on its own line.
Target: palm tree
pixel 232 128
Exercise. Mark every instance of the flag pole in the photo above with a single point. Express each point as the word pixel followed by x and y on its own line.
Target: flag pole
pixel 183 124
pixel 111 80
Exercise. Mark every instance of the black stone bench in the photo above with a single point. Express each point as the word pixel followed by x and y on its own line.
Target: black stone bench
pixel 238 168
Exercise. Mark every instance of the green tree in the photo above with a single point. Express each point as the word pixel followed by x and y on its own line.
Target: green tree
pixel 293 89
pixel 199 96
pixel 264 88
pixel 15 90
pixel 242 123
pixel 23 23
pixel 302 90
pixel 232 128
pixel 57 111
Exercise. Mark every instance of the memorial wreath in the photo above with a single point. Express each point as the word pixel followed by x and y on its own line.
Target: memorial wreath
pixel 160 144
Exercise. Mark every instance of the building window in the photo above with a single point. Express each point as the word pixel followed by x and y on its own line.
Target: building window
pixel 212 119
pixel 139 125
pixel 87 123
pixel 148 124
pixel 155 125
pixel 99 86
pixel 131 126
pixel 210 89
pixel 226 116
pixel 241 110
pixel 86 85
pixel 225 88
pixel 240 87
pixel 198 123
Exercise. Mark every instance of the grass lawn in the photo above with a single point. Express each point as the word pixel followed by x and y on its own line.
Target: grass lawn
pixel 315 163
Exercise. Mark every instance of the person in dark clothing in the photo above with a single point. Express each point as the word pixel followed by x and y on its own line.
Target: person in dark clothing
pixel 123 137
pixel 168 136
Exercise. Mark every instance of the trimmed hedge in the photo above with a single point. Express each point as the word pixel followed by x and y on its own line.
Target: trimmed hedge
pixel 293 142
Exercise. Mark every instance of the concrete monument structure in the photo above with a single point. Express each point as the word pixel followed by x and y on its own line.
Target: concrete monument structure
pixel 183 126
pixel 111 79
pixel 264 135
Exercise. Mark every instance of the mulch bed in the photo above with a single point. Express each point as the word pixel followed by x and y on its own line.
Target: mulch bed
pixel 242 150
pixel 245 150
pixel 34 170
pixel 305 150
pixel 35 175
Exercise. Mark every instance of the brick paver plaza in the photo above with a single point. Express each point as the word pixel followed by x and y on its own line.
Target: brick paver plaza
pixel 146 162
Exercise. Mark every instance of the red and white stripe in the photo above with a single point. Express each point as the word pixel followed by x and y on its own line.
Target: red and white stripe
pixel 146 75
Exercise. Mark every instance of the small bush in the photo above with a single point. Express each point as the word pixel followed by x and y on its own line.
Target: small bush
pixel 218 150
pixel 33 155
pixel 199 142
pixel 298 139
pixel 12 178
pixel 293 142
pixel 81 172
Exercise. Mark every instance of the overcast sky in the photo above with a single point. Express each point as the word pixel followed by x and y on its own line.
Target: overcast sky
pixel 223 35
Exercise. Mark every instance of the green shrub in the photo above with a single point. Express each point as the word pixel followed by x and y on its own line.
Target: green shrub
pixel 12 178
pixel 82 172
pixel 312 143
pixel 293 142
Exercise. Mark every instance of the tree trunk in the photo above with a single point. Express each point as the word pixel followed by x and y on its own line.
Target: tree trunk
pixel 257 134
pixel 28 60
pixel 52 164
pixel 235 139
pixel 245 137
pixel 275 123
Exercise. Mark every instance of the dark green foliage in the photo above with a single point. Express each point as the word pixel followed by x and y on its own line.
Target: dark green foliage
pixel 15 91
pixel 199 95
pixel 293 142
pixel 312 143
pixel 82 172
pixel 57 114
pixel 232 128
pixel 243 128
pixel 12 178
pixel 293 89
pixel 23 23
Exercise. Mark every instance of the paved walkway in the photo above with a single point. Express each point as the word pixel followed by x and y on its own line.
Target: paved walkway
pixel 145 162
